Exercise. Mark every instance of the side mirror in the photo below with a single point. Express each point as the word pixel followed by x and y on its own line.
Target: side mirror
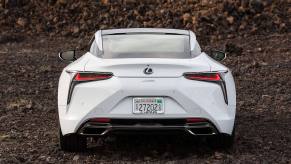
pixel 217 55
pixel 67 56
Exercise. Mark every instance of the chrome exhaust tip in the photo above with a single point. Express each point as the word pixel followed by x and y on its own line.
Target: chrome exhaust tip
pixel 204 128
pixel 201 131
pixel 93 129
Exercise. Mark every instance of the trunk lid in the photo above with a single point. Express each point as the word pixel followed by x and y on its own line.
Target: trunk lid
pixel 135 67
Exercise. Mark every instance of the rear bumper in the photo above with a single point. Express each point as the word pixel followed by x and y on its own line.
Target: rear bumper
pixel 75 125
pixel 92 128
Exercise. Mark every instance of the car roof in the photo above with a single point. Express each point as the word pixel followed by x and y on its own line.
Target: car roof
pixel 144 30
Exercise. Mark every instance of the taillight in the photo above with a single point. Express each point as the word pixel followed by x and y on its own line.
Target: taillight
pixel 209 77
pixel 92 76
pixel 203 76
pixel 82 77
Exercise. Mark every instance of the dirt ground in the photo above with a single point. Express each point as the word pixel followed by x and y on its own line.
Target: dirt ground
pixel 30 70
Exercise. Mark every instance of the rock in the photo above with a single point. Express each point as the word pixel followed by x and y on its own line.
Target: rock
pixel 65 33
pixel 194 20
pixel 203 13
pixel 253 30
pixel 145 24
pixel 263 63
pixel 3 137
pixel 103 26
pixel 204 2
pixel 21 22
pixel 19 104
pixel 229 36
pixel 84 27
pixel 38 28
pixel 283 27
pixel 50 160
pixel 230 19
pixel 62 2
pixel 105 2
pixel 188 26
pixel 186 17
pixel 75 30
pixel 218 155
pixel 76 157
pixel 266 96
pixel 241 9
pixel 55 19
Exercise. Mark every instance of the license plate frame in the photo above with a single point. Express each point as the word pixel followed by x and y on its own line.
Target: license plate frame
pixel 148 105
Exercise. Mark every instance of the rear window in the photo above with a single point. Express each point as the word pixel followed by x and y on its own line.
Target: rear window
pixel 146 46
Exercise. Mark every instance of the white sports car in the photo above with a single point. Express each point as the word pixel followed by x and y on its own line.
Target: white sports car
pixel 145 79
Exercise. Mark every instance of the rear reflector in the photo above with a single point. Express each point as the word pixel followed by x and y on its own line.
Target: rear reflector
pixel 100 120
pixel 84 76
pixel 203 76
pixel 195 120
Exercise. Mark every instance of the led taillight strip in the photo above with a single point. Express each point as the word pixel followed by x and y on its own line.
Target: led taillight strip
pixel 209 77
pixel 92 76
pixel 203 76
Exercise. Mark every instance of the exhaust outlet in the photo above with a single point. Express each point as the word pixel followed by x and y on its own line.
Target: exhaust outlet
pixel 97 129
pixel 93 131
pixel 201 131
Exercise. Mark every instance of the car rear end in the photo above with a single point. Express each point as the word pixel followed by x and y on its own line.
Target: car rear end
pixel 111 94
pixel 101 102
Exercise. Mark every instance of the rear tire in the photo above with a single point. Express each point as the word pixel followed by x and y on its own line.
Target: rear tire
pixel 72 142
pixel 224 141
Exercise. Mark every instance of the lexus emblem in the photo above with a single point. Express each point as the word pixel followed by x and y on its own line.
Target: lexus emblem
pixel 148 70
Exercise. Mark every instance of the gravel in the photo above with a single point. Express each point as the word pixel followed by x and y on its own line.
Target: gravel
pixel 254 33
pixel 29 122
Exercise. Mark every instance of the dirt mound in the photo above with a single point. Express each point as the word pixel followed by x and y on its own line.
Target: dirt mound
pixel 206 17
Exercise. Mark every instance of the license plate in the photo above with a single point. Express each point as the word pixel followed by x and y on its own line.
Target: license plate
pixel 148 105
